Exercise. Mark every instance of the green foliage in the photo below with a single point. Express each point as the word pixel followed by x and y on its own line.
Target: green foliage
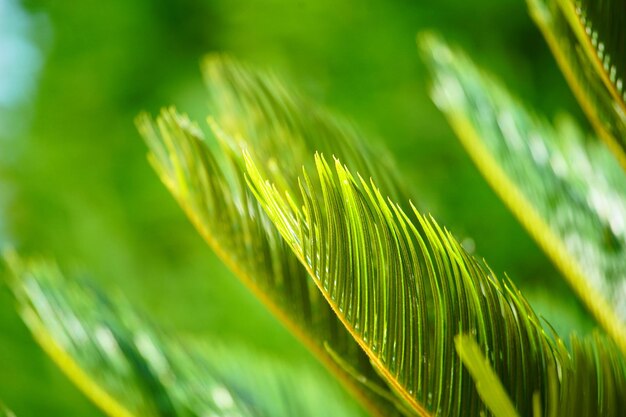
pixel 128 368
pixel 212 191
pixel 407 288
pixel 599 26
pixel 5 412
pixel 406 318
pixel 566 189
pixel 587 40
pixel 488 384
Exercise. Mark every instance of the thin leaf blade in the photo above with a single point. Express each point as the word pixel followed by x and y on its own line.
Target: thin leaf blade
pixel 487 382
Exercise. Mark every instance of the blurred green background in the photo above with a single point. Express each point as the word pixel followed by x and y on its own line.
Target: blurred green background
pixel 75 183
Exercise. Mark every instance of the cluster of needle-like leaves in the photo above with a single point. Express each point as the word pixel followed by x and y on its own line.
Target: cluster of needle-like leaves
pixel 313 219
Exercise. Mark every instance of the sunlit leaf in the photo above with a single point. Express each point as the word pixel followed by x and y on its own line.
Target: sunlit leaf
pixel 256 111
pixel 565 188
pixel 130 369
pixel 487 382
pixel 404 287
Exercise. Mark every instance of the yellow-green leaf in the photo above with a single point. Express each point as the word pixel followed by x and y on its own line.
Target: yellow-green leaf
pixel 564 187
pixel 204 172
pixel 128 368
pixel 404 288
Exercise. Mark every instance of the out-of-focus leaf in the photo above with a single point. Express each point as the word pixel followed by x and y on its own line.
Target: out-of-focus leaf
pixel 600 26
pixel 404 288
pixel 588 40
pixel 130 369
pixel 565 188
pixel 255 110
pixel 557 400
pixel 487 382
pixel 5 412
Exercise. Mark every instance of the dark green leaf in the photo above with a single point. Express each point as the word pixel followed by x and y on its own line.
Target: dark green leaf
pixel 588 40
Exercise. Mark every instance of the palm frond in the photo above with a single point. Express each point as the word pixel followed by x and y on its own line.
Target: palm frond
pixel 281 128
pixel 565 188
pixel 404 287
pixel 130 369
pixel 257 111
pixel 588 40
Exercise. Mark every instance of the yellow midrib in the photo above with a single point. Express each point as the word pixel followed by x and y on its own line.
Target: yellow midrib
pixel 98 395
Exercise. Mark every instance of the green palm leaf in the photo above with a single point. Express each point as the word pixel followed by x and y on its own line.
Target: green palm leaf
pixel 255 110
pixel 568 191
pixel 588 40
pixel 405 288
pixel 129 369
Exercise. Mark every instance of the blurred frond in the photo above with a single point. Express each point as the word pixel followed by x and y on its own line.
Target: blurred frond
pixel 566 189
pixel 130 369
pixel 588 40
pixel 282 128
pixel 487 382
pixel 256 111
pixel 404 287
pixel 5 412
